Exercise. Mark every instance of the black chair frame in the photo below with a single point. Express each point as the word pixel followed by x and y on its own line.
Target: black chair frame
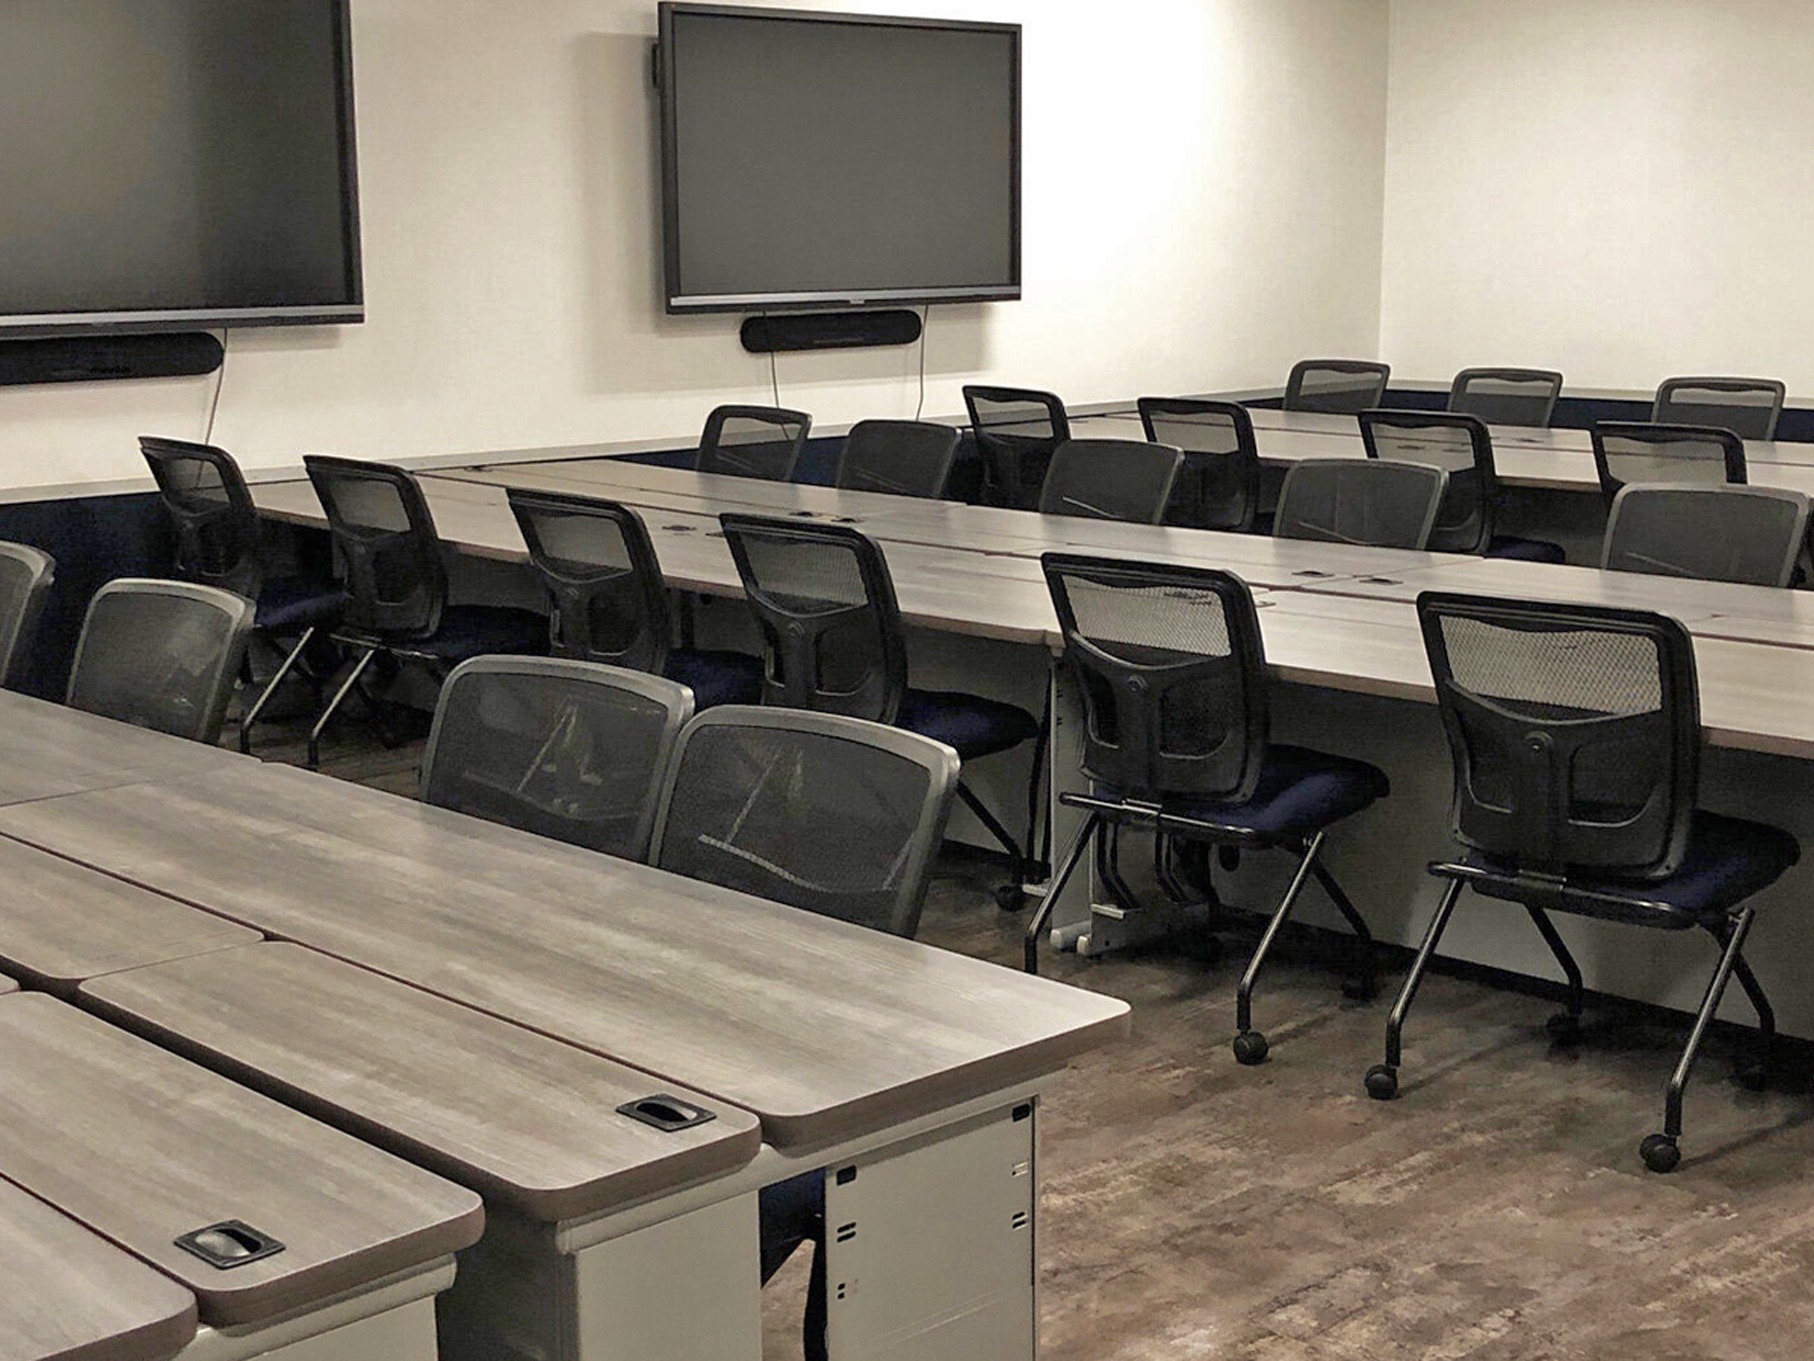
pixel 1014 466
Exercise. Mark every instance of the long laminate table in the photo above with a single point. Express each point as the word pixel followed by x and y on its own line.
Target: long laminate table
pixel 51 749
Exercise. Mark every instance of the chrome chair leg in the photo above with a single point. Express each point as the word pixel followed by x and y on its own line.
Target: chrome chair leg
pixel 1080 839
pixel 1249 1044
pixel 264 696
pixel 1382 1078
pixel 333 704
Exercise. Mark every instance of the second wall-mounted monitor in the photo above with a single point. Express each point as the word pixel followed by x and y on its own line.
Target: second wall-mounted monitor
pixel 813 160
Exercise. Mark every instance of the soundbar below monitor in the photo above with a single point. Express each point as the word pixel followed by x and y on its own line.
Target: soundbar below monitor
pixel 176 164
pixel 814 160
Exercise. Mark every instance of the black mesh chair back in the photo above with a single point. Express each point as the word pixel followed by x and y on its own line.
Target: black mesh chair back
pixel 1632 451
pixel 1339 387
pixel 1752 535
pixel 1017 431
pixel 825 602
pixel 567 749
pixel 1372 502
pixel 218 542
pixel 1748 407
pixel 753 441
pixel 26 575
pixel 1169 663
pixel 1111 479
pixel 609 603
pixel 903 458
pixel 1219 485
pixel 821 812
pixel 396 580
pixel 1462 448
pixel 1506 396
pixel 162 655
pixel 1574 731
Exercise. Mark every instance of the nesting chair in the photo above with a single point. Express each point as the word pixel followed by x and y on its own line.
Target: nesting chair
pixel 1575 736
pixel 1111 479
pixel 1506 396
pixel 1172 672
pixel 1752 535
pixel 396 583
pixel 608 602
pixel 1461 447
pixel 1374 502
pixel 26 576
pixel 824 600
pixel 567 749
pixel 902 458
pixel 1336 387
pixel 1017 430
pixel 1219 485
pixel 1638 451
pixel 753 441
pixel 219 542
pixel 162 655
pixel 1748 407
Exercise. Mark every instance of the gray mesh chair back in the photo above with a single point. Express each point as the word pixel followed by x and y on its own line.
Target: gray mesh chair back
pixel 26 575
pixel 162 655
pixel 396 580
pixel 822 812
pixel 1361 501
pixel 1574 731
pixel 753 441
pixel 1506 396
pixel 1461 447
pixel 218 541
pixel 903 458
pixel 1111 479
pixel 1173 678
pixel 1632 451
pixel 1744 534
pixel 1748 407
pixel 831 627
pixel 1219 485
pixel 1339 387
pixel 1017 431
pixel 609 602
pixel 567 749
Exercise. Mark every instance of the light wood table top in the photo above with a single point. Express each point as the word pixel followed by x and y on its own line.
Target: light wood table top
pixel 66 1295
pixel 822 1029
pixel 7 985
pixel 62 923
pixel 516 1116
pixel 144 1147
pixel 47 749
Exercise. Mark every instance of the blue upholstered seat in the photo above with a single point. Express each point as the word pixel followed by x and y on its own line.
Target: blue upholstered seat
pixel 1299 792
pixel 969 724
pixel 1525 550
pixel 716 677
pixel 292 604
pixel 468 631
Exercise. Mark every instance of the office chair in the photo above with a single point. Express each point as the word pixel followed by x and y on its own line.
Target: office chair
pixel 396 583
pixel 1745 534
pixel 219 542
pixel 1506 396
pixel 566 749
pixel 608 602
pixel 1339 387
pixel 1219 485
pixel 1748 407
pixel 1017 430
pixel 1461 447
pixel 1111 479
pixel 1575 736
pixel 161 654
pixel 1360 501
pixel 26 576
pixel 753 441
pixel 1172 672
pixel 1634 451
pixel 825 603
pixel 904 458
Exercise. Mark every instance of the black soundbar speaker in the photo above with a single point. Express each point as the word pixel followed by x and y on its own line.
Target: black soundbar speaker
pixel 830 330
pixel 89 359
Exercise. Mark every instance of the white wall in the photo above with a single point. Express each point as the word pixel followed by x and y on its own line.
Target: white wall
pixel 1203 186
pixel 1619 189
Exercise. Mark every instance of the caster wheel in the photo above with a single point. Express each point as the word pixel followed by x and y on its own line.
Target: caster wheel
pixel 1660 1153
pixel 1564 1028
pixel 1010 898
pixel 1359 987
pixel 1382 1082
pixel 1753 1075
pixel 1250 1048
